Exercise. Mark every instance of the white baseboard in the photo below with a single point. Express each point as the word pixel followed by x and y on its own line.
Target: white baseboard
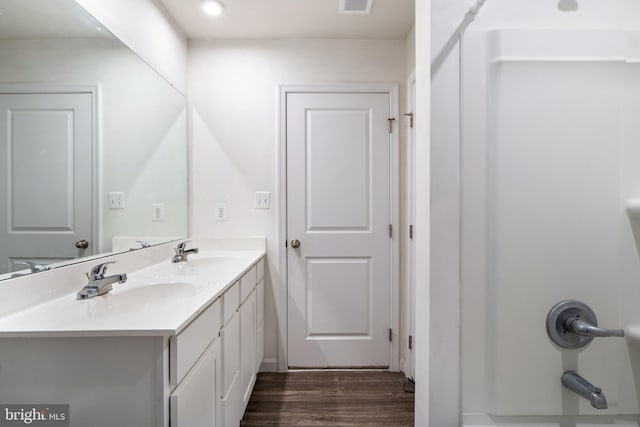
pixel 269 365
pixel 402 367
pixel 484 420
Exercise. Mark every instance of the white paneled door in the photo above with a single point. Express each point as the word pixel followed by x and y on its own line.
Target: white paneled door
pixel 338 216
pixel 46 164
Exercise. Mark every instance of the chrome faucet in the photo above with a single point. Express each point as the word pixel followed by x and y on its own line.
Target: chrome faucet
pixel 99 284
pixel 584 388
pixel 142 244
pixel 34 266
pixel 182 254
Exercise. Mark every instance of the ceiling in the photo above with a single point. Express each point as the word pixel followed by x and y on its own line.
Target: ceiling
pixel 38 19
pixel 278 19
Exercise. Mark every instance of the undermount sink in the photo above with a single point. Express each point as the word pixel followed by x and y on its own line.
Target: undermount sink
pixel 186 270
pixel 194 262
pixel 136 294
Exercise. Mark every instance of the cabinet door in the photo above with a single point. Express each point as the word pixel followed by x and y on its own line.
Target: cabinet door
pixel 259 324
pixel 194 403
pixel 247 346
pixel 231 393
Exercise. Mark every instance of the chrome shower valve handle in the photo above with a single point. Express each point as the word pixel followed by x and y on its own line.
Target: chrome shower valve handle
pixel 572 324
pixel 585 329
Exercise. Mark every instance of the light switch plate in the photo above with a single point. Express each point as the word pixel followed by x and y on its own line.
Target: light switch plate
pixel 263 200
pixel 116 200
pixel 221 212
pixel 157 213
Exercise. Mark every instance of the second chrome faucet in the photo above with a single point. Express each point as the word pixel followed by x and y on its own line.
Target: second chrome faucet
pixel 182 253
pixel 99 284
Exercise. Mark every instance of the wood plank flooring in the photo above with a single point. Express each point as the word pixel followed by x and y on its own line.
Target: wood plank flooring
pixel 330 398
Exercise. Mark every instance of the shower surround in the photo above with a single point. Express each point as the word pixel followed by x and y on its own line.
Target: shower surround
pixel 550 154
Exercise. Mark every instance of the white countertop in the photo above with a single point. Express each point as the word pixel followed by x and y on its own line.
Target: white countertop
pixel 633 332
pixel 159 300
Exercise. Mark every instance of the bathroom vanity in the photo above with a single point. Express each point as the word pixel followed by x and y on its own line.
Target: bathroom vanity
pixel 177 344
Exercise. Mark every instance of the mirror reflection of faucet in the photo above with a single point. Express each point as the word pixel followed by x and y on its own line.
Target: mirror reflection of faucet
pixel 99 284
pixel 584 388
pixel 34 267
pixel 142 244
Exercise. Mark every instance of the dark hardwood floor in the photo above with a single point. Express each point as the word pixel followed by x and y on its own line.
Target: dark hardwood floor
pixel 330 398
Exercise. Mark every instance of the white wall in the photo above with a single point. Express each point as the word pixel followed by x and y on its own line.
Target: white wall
pixel 139 154
pixel 423 195
pixel 447 16
pixel 591 14
pixel 233 89
pixel 158 41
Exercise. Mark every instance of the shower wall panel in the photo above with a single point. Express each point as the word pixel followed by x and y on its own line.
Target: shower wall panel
pixel 550 154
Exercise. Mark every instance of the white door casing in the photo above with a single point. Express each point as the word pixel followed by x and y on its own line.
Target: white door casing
pixel 339 192
pixel 47 162
pixel 410 302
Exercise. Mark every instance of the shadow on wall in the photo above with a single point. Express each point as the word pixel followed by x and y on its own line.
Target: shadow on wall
pixel 634 355
pixel 633 210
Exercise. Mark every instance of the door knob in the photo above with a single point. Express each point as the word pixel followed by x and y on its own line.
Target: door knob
pixel 82 244
pixel 295 243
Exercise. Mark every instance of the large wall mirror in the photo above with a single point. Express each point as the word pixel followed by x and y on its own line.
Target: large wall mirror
pixel 93 142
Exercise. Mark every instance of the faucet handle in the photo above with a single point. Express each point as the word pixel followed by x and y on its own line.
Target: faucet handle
pixel 98 271
pixel 181 246
pixel 586 329
pixel 573 324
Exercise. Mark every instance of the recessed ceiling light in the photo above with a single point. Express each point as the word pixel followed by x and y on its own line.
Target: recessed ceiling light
pixel 568 5
pixel 211 7
pixel 355 6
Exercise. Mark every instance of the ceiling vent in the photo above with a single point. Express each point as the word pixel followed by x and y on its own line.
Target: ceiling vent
pixel 355 6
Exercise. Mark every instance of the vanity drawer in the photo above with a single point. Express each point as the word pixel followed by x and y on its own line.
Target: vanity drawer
pixel 186 347
pixel 230 302
pixel 247 283
pixel 260 270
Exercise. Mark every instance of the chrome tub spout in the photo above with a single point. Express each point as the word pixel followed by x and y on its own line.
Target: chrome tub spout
pixel 584 388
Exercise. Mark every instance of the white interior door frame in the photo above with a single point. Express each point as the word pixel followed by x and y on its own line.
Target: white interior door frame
pixel 411 282
pixel 94 90
pixel 281 292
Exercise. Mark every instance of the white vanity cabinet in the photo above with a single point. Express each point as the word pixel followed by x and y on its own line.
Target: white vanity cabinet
pixel 247 347
pixel 146 376
pixel 232 328
pixel 259 315
pixel 195 402
pixel 195 367
pixel 230 393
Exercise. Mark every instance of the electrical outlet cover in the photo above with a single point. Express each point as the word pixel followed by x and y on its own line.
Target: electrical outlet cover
pixel 221 212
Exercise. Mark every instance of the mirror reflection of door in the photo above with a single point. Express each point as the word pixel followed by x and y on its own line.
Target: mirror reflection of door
pixel 47 170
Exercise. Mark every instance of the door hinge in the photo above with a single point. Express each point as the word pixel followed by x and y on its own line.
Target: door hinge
pixel 410 115
pixel 390 334
pixel 391 120
pixel 411 231
pixel 410 342
pixel 391 231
